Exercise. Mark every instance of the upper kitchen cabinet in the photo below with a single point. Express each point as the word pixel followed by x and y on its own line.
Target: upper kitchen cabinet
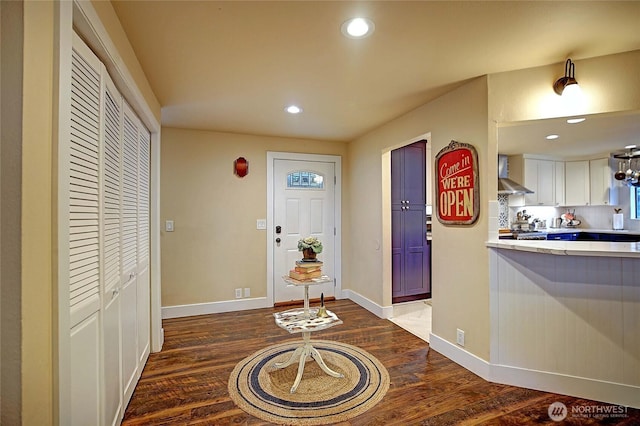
pixel 602 185
pixel 538 175
pixel 577 183
pixel 590 183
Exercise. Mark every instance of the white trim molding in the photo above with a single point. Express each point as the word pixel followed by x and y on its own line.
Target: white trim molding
pixel 179 311
pixel 458 355
pixel 384 312
pixel 581 387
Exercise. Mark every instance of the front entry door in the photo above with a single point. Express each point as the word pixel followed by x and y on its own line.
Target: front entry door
pixel 304 205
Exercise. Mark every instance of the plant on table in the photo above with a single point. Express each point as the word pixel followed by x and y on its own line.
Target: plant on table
pixel 310 247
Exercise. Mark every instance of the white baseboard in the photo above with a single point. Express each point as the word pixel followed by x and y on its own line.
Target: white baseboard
pixel 384 312
pixel 581 387
pixel 597 390
pixel 458 355
pixel 178 311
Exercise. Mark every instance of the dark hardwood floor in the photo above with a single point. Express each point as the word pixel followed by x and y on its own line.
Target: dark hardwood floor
pixel 186 383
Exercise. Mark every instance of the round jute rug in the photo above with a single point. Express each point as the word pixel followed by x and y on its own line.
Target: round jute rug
pixel 263 391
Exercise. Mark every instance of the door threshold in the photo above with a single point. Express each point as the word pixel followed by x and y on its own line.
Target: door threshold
pixel 301 302
pixel 402 299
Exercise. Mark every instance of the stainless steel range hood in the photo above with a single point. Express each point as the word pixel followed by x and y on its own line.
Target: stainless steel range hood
pixel 506 185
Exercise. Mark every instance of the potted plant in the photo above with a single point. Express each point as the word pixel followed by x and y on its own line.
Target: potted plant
pixel 310 247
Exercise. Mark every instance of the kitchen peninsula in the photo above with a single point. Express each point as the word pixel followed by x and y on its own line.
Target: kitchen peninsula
pixel 565 317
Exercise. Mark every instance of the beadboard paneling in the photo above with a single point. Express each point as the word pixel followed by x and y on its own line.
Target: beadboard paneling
pixel 569 315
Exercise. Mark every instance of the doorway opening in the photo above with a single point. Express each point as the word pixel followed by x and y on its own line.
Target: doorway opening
pixel 408 227
pixel 410 239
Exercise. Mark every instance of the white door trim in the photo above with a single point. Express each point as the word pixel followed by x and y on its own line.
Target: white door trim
pixel 386 210
pixel 337 160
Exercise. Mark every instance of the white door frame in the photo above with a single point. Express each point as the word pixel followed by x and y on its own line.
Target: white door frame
pixel 337 160
pixel 387 283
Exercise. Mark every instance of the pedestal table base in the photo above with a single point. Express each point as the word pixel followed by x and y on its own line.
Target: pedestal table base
pixel 301 353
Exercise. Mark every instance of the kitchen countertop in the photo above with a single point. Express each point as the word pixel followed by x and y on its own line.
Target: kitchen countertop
pixel 570 230
pixel 596 230
pixel 571 248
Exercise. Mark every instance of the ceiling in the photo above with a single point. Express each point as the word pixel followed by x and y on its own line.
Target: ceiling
pixel 598 134
pixel 234 66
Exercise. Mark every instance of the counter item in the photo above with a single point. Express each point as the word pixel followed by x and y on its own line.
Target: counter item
pixel 569 219
pixel 618 221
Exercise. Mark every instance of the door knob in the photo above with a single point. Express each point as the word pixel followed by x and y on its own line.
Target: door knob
pixel 278 240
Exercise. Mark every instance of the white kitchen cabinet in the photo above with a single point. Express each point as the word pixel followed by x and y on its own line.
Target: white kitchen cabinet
pixel 577 183
pixel 559 183
pixel 589 183
pixel 538 175
pixel 601 183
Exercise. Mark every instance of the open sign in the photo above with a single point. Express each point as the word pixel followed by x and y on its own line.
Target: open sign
pixel 458 193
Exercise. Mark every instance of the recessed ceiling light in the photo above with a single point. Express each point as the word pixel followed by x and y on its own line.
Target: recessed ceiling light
pixel 552 137
pixel 293 109
pixel 576 120
pixel 358 28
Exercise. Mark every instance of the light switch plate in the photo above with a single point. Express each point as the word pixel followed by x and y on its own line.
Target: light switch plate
pixel 261 224
pixel 168 226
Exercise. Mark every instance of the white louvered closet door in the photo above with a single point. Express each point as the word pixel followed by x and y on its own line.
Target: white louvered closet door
pixel 84 229
pixel 108 261
pixel 111 214
pixel 144 282
pixel 129 193
pixel 129 293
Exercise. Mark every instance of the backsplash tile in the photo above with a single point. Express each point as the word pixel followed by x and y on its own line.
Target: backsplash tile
pixel 596 217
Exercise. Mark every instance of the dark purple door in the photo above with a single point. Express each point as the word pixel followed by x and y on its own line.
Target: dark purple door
pixel 411 252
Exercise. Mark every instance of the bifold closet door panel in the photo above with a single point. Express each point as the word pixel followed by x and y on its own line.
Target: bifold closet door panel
pixel 112 186
pixel 129 193
pixel 129 293
pixel 85 371
pixel 111 212
pixel 129 324
pixel 113 409
pixel 144 282
pixel 82 170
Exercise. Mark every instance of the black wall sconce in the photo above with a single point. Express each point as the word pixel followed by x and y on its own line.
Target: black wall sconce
pixel 568 79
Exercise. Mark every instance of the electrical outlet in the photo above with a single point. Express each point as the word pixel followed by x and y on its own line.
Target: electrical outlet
pixel 247 292
pixel 238 293
pixel 460 337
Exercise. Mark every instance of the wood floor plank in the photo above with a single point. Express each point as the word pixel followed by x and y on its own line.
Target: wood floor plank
pixel 186 383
